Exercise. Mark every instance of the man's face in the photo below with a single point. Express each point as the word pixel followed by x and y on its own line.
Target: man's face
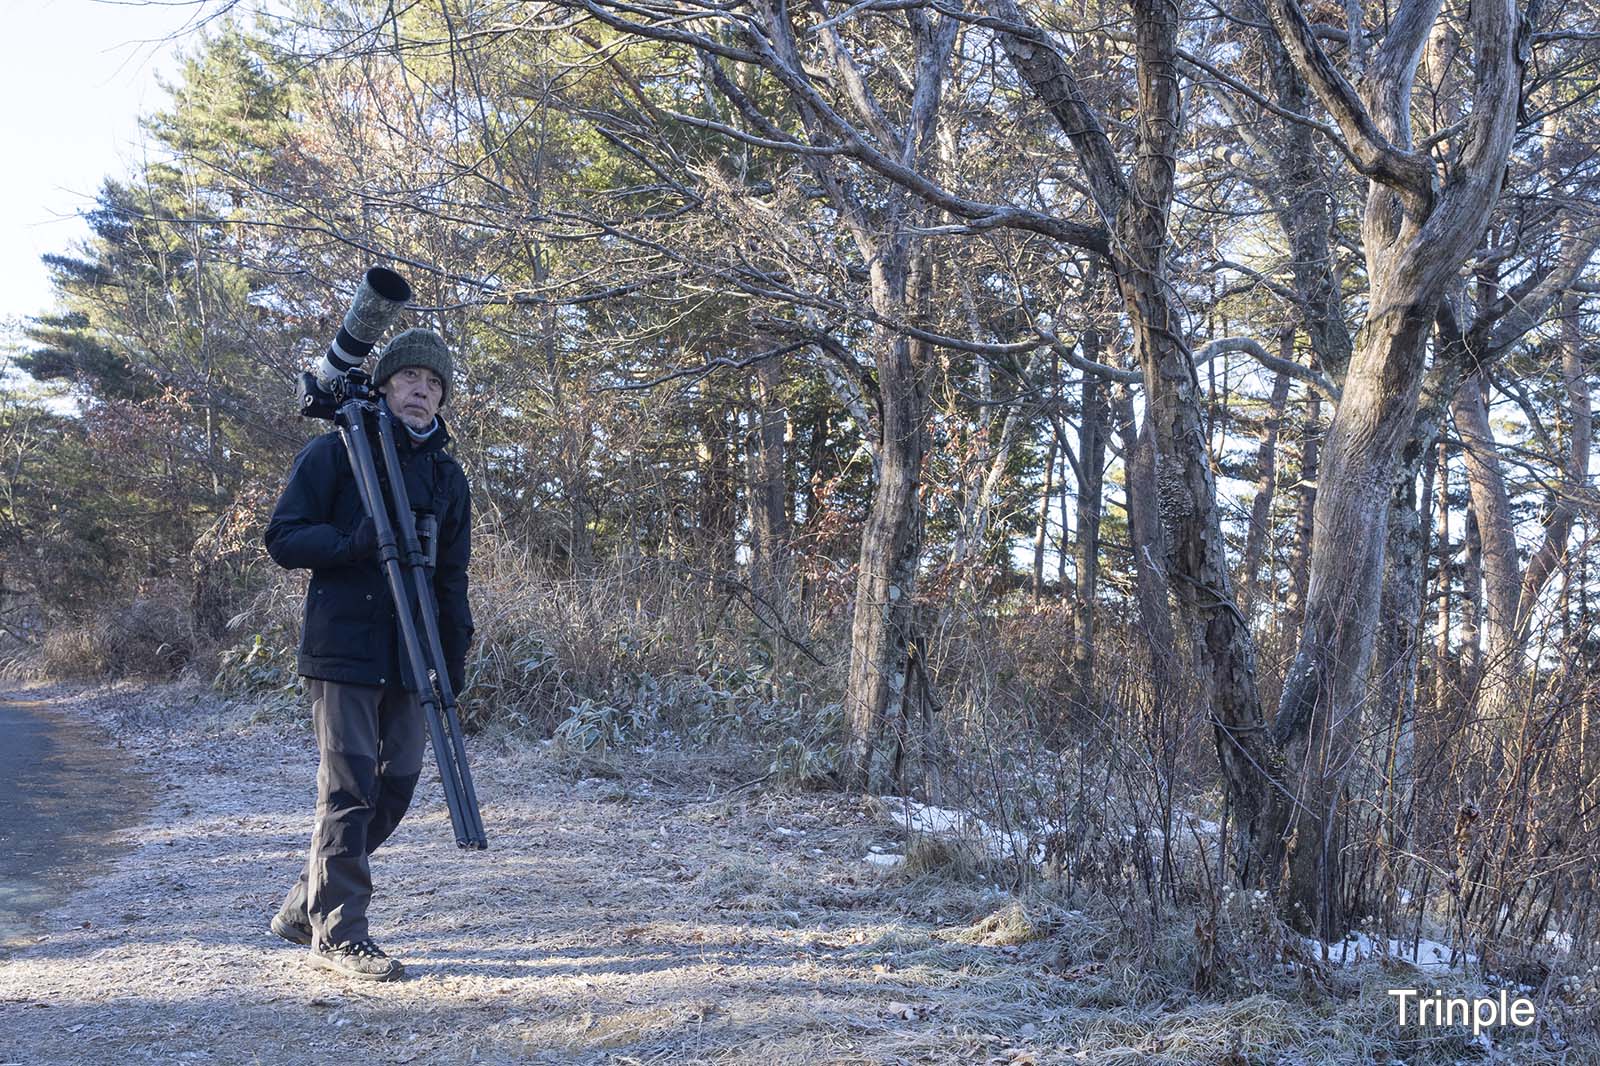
pixel 414 394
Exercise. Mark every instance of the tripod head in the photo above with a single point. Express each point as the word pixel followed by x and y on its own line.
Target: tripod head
pixel 318 402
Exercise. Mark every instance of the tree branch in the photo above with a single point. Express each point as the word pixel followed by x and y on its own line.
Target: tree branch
pixel 1376 157
pixel 1253 348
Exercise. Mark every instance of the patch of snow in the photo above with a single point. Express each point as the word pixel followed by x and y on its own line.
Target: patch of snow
pixel 945 821
pixel 929 819
pixel 1429 956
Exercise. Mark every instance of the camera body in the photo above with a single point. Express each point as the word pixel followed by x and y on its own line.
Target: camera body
pixel 319 402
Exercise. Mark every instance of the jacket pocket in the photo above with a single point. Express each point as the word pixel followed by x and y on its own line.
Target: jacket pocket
pixel 341 616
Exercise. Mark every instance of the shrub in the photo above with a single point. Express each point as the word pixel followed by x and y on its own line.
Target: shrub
pixel 150 638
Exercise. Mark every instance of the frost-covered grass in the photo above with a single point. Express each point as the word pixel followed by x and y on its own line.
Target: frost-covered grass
pixel 656 913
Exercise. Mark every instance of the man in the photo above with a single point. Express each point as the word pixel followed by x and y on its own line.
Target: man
pixel 368 719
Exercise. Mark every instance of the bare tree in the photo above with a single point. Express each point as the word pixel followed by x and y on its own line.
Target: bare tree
pixel 1417 231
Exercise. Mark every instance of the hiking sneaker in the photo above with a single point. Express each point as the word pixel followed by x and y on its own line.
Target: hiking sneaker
pixel 293 930
pixel 361 959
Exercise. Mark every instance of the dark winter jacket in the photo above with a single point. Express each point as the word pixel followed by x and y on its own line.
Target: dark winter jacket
pixel 350 632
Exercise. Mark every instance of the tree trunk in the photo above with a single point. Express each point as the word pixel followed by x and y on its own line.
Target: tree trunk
pixel 1303 212
pixel 1403 609
pixel 1135 207
pixel 1184 486
pixel 881 627
pixel 1091 464
pixel 1260 528
pixel 1511 595
pixel 1328 681
pixel 769 520
pixel 1491 505
pixel 1041 533
pixel 1472 604
pixel 1416 236
pixel 1148 546
pixel 1443 669
pixel 880 630
pixel 1563 507
pixel 1304 528
pixel 1400 647
pixel 1063 582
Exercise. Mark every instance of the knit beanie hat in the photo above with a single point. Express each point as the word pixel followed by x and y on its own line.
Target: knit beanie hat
pixel 416 347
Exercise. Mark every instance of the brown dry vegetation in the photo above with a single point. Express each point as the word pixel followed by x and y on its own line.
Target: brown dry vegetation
pixel 641 908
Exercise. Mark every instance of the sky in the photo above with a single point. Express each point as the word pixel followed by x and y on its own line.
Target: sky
pixel 75 75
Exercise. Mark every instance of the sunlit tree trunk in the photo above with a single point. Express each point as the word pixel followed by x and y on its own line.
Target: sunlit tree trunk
pixel 1416 235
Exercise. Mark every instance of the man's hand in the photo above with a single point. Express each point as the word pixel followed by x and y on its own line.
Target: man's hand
pixel 364 541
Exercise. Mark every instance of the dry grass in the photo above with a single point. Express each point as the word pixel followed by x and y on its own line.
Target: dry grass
pixel 948 858
pixel 547 641
pixel 1016 922
pixel 150 639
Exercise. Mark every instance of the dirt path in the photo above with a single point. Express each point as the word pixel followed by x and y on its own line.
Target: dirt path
pixel 621 920
pixel 55 818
